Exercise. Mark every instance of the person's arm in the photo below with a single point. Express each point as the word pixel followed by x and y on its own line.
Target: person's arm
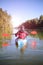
pixel 17 34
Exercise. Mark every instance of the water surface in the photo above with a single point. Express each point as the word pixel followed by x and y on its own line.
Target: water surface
pixel 31 55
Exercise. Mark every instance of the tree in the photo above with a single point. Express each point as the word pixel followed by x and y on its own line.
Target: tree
pixel 5 24
pixel 41 17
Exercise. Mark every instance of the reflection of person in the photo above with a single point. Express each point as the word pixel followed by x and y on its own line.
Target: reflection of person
pixel 23 48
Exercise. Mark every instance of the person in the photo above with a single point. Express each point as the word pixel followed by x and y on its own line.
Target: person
pixel 21 34
pixel 21 37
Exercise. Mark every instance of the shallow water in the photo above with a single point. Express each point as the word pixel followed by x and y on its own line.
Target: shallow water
pixel 31 55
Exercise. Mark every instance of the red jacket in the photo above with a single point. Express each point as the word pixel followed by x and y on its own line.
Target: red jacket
pixel 21 35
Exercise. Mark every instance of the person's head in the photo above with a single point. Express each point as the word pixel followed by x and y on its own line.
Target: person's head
pixel 22 28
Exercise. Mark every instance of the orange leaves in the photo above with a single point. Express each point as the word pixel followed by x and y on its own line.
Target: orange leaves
pixel 5 35
pixel 34 32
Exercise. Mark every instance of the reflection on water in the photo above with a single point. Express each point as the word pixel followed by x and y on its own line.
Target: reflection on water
pixel 21 48
pixel 4 44
pixel 31 53
pixel 33 44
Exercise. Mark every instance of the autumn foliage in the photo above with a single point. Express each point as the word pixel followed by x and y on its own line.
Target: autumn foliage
pixel 33 23
pixel 5 25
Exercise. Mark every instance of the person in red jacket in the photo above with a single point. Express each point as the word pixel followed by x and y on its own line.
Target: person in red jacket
pixel 21 34
pixel 21 37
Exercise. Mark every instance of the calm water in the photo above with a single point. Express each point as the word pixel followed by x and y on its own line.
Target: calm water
pixel 32 54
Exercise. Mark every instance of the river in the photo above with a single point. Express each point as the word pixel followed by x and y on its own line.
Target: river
pixel 32 54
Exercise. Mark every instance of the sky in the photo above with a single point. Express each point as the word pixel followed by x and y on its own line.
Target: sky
pixel 22 10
